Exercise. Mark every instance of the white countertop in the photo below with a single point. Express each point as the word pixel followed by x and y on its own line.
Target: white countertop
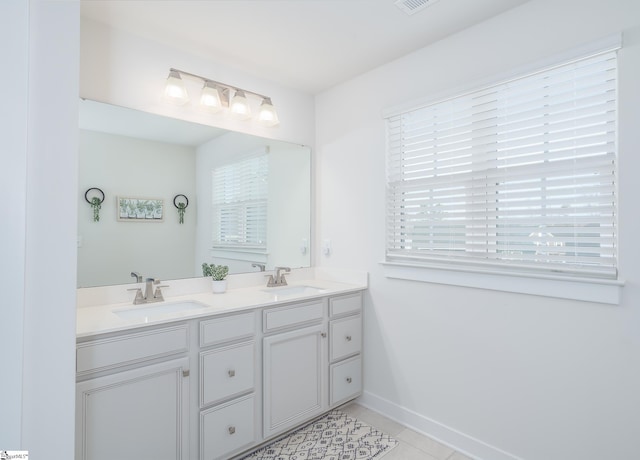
pixel 102 318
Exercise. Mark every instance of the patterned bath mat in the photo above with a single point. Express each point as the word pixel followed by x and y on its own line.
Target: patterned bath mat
pixel 335 436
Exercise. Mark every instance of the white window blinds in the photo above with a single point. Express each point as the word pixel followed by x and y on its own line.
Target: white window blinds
pixel 518 176
pixel 239 197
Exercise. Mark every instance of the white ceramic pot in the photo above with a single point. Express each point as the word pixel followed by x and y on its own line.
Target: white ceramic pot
pixel 219 286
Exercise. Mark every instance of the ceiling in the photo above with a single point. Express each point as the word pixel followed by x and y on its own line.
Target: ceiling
pixel 307 45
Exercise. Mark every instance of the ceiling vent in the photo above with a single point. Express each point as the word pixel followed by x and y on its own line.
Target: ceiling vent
pixel 413 6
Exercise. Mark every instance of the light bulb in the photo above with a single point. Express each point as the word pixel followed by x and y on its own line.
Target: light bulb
pixel 210 98
pixel 239 106
pixel 175 91
pixel 267 115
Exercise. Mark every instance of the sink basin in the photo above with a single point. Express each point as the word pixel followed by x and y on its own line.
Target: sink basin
pixel 156 309
pixel 287 291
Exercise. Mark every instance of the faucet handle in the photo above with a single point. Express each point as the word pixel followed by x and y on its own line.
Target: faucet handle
pixel 157 295
pixel 271 281
pixel 139 298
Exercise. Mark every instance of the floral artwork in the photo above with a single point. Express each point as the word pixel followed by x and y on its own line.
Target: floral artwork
pixel 140 210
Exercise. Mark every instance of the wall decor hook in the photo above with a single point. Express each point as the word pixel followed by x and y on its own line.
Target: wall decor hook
pixel 95 202
pixel 181 205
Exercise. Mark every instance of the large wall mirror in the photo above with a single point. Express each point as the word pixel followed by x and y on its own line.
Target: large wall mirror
pixel 248 198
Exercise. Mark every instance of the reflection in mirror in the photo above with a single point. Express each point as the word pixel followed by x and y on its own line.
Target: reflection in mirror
pixel 248 198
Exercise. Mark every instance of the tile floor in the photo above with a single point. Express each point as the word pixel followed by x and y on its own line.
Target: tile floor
pixel 412 445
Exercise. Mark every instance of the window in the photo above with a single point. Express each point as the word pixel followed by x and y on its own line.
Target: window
pixel 240 204
pixel 517 177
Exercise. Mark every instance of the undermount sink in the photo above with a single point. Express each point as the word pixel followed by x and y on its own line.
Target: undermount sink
pixel 156 309
pixel 286 291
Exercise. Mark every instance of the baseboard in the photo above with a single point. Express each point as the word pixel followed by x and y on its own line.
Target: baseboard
pixel 461 442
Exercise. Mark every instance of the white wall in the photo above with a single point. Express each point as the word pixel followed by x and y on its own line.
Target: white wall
pixel 499 375
pixel 14 33
pixel 39 119
pixel 130 167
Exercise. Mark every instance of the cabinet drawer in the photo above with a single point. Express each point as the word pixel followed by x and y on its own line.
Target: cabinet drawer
pixel 346 304
pixel 131 348
pixel 226 429
pixel 346 380
pixel 346 337
pixel 276 318
pixel 225 329
pixel 225 372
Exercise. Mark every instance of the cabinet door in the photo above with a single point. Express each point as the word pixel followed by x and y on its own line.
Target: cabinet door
pixel 294 378
pixel 141 413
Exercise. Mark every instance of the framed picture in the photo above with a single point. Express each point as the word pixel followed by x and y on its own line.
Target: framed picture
pixel 140 209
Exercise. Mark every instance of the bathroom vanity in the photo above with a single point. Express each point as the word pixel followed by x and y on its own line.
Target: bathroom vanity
pixel 210 376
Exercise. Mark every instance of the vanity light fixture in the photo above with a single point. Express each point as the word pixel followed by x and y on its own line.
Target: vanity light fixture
pixel 217 97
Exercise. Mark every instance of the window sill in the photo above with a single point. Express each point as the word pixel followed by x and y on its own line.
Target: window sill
pixel 591 290
pixel 247 255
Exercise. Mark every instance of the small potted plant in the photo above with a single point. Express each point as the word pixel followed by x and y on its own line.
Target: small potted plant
pixel 218 274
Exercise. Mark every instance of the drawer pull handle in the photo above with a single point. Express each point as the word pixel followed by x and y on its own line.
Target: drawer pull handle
pixel 232 429
pixel 232 373
pixel 348 338
pixel 348 379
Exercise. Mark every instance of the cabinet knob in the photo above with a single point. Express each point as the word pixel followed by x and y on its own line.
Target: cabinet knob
pixel 232 373
pixel 348 379
pixel 348 338
pixel 232 429
pixel 323 335
pixel 185 373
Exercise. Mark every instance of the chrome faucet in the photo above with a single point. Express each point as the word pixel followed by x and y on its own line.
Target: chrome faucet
pixel 148 289
pixel 137 276
pixel 278 278
pixel 150 295
pixel 260 266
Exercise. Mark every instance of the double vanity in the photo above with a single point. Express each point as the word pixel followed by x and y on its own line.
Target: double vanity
pixel 212 376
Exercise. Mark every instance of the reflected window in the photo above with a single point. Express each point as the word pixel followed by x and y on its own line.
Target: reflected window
pixel 240 204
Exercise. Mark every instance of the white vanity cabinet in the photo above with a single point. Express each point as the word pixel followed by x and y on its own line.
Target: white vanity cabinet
pixel 213 387
pixel 132 396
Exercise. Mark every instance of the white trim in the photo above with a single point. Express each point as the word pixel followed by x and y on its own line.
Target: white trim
pixel 584 289
pixel 609 43
pixel 451 437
